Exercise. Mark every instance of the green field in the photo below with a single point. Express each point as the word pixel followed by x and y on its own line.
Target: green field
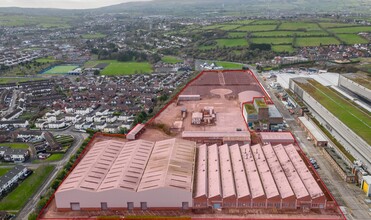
pixel 46 60
pixel 352 116
pixel 299 26
pixel 171 59
pixel 236 34
pixel 244 22
pixel 4 171
pixel 15 145
pixel 256 28
pixel 283 48
pixel 266 22
pixel 273 40
pixel 289 33
pixel 315 41
pixel 229 27
pixel 16 199
pixel 93 36
pixel 41 21
pixel 331 25
pixel 15 80
pixel 229 65
pixel 61 69
pixel 212 27
pixel 350 30
pixel 232 42
pixel 121 68
pixel 273 34
pixel 352 39
pixel 55 157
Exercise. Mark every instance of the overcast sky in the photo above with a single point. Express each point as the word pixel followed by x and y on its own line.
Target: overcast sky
pixel 70 4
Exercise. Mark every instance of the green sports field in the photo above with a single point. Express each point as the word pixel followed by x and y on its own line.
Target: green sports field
pixel 352 116
pixel 121 68
pixel 61 69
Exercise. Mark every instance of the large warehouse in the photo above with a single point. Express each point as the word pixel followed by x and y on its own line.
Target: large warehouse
pixel 257 177
pixel 131 175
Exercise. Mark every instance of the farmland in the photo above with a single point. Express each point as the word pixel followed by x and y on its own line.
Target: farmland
pixel 236 34
pixel 121 68
pixel 231 42
pixel 299 26
pixel 283 36
pixel 352 39
pixel 350 30
pixel 315 41
pixel 256 28
pixel 348 113
pixel 277 40
pixel 41 21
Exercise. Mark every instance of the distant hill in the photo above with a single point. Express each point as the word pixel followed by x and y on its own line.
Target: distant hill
pixel 221 7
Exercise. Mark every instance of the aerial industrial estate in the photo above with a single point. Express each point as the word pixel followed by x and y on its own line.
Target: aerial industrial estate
pixel 214 109
pixel 198 154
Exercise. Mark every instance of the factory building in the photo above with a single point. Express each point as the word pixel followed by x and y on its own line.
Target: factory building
pixel 269 176
pixel 131 175
pixel 218 137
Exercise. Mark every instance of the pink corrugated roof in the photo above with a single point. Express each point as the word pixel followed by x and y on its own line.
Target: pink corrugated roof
pixel 266 177
pixel 239 172
pixel 308 179
pixel 291 173
pixel 226 172
pixel 133 165
pixel 256 187
pixel 201 172
pixel 214 182
pixel 278 173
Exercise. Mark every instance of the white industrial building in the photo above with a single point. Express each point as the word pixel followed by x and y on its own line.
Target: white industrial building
pixel 131 175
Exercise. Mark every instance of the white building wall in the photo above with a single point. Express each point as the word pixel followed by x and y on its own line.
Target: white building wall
pixel 359 148
pixel 355 87
pixel 118 198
